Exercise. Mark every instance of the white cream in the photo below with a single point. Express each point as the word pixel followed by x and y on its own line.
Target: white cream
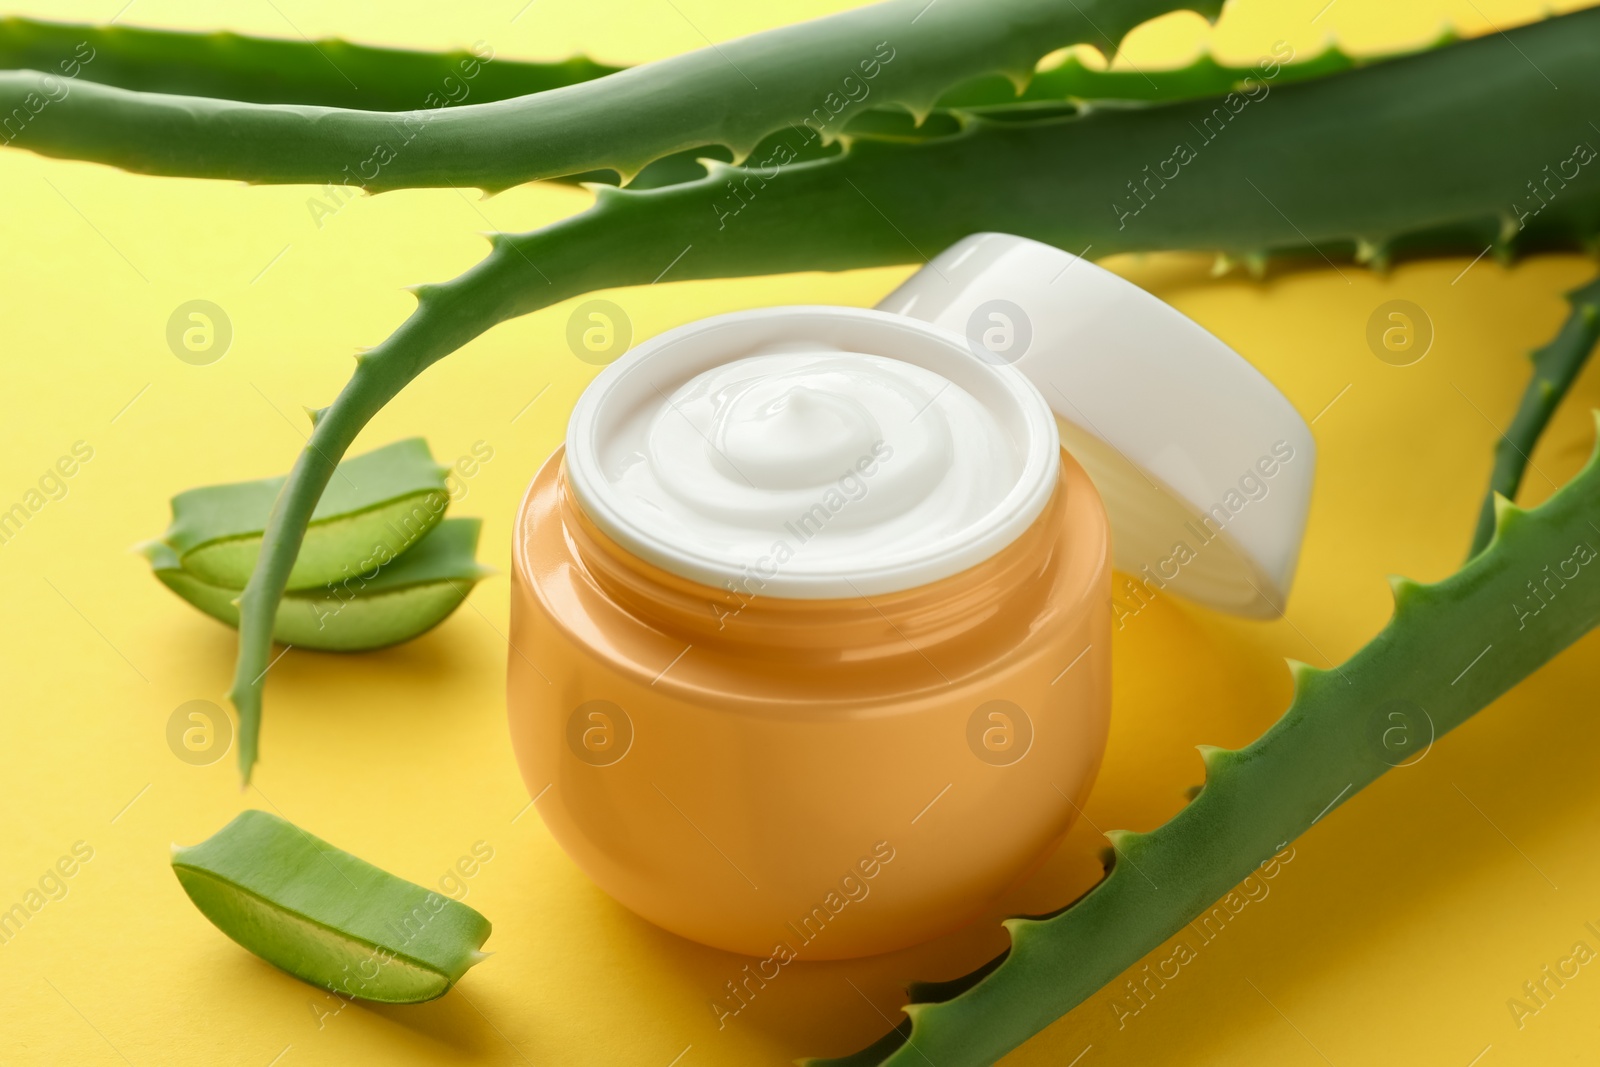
pixel 797 469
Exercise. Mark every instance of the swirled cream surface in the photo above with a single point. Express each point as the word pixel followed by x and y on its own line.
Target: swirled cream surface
pixel 806 470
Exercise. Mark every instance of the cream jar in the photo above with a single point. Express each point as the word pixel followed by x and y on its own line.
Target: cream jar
pixel 812 614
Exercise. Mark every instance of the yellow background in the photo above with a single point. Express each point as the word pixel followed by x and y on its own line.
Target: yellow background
pixel 1395 936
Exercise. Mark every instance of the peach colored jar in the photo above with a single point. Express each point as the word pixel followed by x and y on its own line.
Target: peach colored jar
pixel 840 764
pixel 844 777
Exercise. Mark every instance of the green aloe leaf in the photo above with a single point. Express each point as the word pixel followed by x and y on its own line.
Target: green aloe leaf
pixel 899 53
pixel 327 917
pixel 1449 650
pixel 327 74
pixel 1556 366
pixel 342 74
pixel 385 605
pixel 266 70
pixel 1379 163
pixel 377 505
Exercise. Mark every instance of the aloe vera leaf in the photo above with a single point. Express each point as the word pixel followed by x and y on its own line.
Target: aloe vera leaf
pixel 401 599
pixel 1556 366
pixel 327 917
pixel 270 70
pixel 733 94
pixel 1325 151
pixel 276 71
pixel 326 73
pixel 267 70
pixel 1327 746
pixel 379 504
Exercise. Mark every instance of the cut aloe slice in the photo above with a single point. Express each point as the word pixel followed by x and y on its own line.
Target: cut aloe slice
pixel 404 598
pixel 376 504
pixel 326 916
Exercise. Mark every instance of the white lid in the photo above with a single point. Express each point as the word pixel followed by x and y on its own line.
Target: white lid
pixel 1205 467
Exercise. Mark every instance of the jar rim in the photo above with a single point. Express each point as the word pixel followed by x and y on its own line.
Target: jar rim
pixel 662 364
